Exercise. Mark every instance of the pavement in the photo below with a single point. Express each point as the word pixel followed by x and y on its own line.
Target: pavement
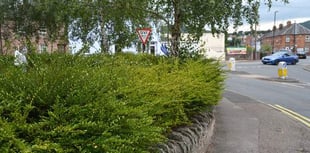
pixel 244 125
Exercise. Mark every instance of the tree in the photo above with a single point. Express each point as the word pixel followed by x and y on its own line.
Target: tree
pixel 115 21
pixel 266 48
pixel 5 14
pixel 106 21
pixel 109 21
pixel 193 16
pixel 24 18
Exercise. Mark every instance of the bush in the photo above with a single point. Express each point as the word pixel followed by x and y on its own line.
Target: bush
pixel 101 103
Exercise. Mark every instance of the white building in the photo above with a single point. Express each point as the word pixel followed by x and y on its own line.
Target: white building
pixel 213 46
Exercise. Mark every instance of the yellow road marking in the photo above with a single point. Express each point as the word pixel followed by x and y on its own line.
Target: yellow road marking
pixel 292 114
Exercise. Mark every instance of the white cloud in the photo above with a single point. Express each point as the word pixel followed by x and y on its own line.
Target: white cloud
pixel 296 11
pixel 268 25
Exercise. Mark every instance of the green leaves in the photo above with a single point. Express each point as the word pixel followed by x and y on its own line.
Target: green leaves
pixel 115 21
pixel 101 103
pixel 192 17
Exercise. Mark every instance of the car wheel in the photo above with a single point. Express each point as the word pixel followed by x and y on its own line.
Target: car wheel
pixel 294 62
pixel 276 62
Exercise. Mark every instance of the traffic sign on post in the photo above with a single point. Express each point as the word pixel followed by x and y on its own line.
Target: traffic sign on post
pixel 144 34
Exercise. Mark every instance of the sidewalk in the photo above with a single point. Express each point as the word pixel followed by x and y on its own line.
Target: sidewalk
pixel 244 125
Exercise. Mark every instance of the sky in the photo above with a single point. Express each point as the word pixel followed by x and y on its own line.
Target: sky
pixel 296 11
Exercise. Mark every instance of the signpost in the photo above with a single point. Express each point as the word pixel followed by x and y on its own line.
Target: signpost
pixel 144 34
pixel 236 50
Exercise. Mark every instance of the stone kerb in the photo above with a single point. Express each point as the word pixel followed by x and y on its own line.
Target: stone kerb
pixel 191 139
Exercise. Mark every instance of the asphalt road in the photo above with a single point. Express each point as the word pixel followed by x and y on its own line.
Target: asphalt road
pixel 249 80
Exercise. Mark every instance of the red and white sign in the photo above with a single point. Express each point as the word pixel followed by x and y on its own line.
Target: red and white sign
pixel 236 50
pixel 144 34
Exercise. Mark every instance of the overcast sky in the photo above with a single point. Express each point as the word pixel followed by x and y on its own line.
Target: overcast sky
pixel 296 11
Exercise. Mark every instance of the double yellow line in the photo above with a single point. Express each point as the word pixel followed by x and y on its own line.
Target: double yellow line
pixel 292 114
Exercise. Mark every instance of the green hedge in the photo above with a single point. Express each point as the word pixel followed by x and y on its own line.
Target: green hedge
pixel 101 103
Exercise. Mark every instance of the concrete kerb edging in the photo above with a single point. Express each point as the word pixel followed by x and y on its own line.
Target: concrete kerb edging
pixel 287 80
pixel 307 68
pixel 275 79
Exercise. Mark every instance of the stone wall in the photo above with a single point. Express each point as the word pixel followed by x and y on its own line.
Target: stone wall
pixel 191 139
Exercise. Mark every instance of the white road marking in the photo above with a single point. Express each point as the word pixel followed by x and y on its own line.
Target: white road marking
pixel 291 84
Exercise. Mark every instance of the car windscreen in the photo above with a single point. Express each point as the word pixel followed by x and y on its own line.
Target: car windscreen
pixel 278 53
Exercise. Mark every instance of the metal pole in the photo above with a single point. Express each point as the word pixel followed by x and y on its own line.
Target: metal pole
pixel 274 29
pixel 294 48
pixel 255 47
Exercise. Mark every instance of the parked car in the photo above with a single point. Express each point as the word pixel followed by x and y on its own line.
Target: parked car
pixel 281 56
pixel 301 55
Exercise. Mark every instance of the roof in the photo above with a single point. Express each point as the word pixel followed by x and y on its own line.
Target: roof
pixel 306 24
pixel 292 29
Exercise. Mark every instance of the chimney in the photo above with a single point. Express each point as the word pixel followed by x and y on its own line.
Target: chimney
pixel 288 23
pixel 274 28
pixel 281 26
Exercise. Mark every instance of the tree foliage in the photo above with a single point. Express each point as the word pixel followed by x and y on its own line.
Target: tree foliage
pixel 107 21
pixel 115 21
pixel 266 48
pixel 194 16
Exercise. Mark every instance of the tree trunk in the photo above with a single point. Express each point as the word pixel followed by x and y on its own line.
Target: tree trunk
pixel 104 45
pixel 1 47
pixel 104 42
pixel 176 30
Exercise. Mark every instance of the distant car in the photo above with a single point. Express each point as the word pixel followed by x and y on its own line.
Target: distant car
pixel 281 56
pixel 301 55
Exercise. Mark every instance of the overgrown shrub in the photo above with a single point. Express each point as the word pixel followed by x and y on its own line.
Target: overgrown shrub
pixel 101 103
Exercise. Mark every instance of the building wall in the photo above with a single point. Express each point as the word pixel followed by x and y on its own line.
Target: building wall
pixel 287 40
pixel 213 46
pixel 41 45
pixel 281 42
pixel 12 41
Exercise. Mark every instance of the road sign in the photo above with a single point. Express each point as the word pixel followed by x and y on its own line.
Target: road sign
pixel 144 34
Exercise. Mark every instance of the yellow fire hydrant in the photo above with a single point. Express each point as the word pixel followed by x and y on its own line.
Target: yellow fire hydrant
pixel 282 70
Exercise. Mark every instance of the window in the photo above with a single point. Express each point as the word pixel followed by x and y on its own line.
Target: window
pixel 307 38
pixel 42 31
pixel 287 39
pixel 42 48
pixel 61 48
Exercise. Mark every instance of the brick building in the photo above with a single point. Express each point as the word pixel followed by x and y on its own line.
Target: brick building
pixel 10 40
pixel 292 36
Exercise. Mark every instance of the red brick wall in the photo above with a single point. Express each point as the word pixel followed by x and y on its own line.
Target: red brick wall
pixel 280 42
pixel 11 41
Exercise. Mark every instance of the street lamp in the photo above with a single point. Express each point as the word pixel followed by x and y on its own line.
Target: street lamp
pixel 274 28
pixel 295 46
